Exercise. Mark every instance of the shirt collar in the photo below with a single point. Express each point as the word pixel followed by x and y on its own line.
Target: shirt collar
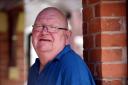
pixel 65 50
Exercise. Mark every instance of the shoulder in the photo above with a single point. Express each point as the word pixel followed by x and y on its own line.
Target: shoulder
pixel 71 57
pixel 71 61
pixel 75 70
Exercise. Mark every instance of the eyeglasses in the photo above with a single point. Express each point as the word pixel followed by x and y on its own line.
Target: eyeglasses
pixel 49 28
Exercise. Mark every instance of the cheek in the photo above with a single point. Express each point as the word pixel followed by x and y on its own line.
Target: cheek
pixel 34 39
pixel 60 40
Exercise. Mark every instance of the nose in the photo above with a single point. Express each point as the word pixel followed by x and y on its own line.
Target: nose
pixel 44 30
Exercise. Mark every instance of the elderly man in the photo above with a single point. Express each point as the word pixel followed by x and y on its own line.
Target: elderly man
pixel 57 64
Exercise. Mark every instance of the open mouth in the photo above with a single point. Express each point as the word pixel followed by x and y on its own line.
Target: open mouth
pixel 45 40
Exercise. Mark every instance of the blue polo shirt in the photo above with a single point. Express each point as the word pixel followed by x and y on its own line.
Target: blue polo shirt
pixel 67 68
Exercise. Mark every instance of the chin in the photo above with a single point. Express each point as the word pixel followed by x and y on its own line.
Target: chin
pixel 45 48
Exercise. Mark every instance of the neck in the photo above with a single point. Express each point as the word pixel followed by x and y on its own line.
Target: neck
pixel 46 57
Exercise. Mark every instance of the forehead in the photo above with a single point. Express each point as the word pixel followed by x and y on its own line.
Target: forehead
pixel 49 17
pixel 52 17
pixel 50 14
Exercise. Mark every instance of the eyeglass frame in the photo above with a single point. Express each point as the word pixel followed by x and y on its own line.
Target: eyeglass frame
pixel 47 28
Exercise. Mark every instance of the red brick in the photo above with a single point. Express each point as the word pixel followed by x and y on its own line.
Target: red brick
pixel 3 67
pixel 102 25
pixel 3 36
pixel 97 24
pixel 111 24
pixel 110 40
pixel 84 28
pixel 88 42
pixel 92 68
pixel 109 82
pixel 94 26
pixel 117 82
pixel 105 55
pixel 95 55
pixel 23 75
pixel 20 52
pixel 3 73
pixel 4 62
pixel 20 39
pixel 12 82
pixel 110 9
pixel 112 0
pixel 88 2
pixel 112 70
pixel 21 64
pixel 92 1
pixel 4 47
pixel 84 2
pixel 88 13
pixel 85 55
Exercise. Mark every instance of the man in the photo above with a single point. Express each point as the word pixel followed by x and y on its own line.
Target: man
pixel 58 64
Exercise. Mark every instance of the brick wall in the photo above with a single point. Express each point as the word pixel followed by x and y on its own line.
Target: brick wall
pixel 105 48
pixel 4 54
pixel 20 61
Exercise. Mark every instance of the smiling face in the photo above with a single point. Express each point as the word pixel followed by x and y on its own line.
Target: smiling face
pixel 45 41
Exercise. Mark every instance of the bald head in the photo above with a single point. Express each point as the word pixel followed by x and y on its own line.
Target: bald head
pixel 52 14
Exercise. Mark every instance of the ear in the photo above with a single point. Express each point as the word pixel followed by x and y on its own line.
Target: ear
pixel 68 34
